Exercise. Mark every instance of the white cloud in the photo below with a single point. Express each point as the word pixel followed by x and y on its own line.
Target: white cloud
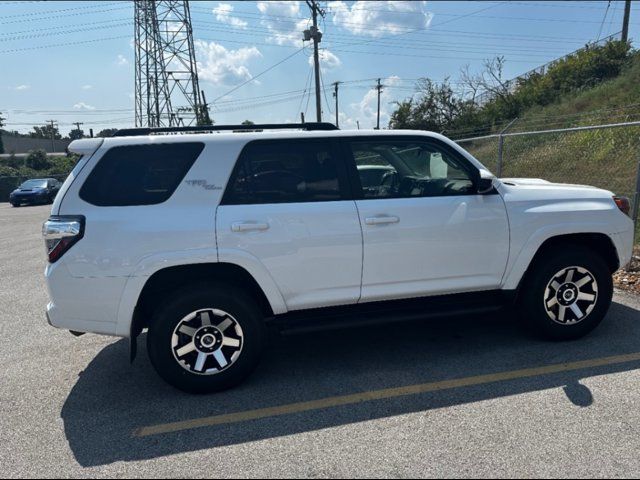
pixel 367 109
pixel 21 88
pixel 121 61
pixel 378 18
pixel 221 66
pixel 276 17
pixel 87 87
pixel 223 14
pixel 83 106
pixel 328 60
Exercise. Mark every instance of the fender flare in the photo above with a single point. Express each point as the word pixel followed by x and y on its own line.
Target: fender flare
pixel 531 247
pixel 154 263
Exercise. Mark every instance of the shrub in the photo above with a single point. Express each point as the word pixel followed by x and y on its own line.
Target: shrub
pixel 37 160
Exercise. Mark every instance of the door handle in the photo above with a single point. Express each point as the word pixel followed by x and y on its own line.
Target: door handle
pixel 248 227
pixel 381 220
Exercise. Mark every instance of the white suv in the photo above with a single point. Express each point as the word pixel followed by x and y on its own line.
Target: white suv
pixel 204 239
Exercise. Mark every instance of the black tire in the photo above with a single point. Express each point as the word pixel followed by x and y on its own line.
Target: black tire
pixel 199 297
pixel 15 204
pixel 538 292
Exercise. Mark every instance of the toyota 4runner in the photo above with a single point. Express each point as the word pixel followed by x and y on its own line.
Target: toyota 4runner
pixel 205 239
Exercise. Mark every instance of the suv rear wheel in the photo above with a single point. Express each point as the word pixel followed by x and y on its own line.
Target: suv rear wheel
pixel 567 294
pixel 206 338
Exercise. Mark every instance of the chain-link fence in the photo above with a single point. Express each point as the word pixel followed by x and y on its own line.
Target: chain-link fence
pixel 605 156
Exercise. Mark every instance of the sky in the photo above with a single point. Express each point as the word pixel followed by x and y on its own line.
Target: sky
pixel 74 61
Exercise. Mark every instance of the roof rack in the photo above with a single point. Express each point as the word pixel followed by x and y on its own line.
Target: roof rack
pixel 310 126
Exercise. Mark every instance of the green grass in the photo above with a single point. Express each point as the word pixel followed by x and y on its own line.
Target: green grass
pixel 605 158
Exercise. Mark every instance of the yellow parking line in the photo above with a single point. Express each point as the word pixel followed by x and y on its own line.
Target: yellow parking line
pixel 379 395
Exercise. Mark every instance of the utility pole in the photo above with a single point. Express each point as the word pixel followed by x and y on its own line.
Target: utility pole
pixel 625 21
pixel 205 110
pixel 302 117
pixel 335 94
pixel 379 88
pixel 315 35
pixel 77 124
pixel 52 123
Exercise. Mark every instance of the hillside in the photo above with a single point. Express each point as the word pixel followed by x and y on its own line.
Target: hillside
pixel 606 158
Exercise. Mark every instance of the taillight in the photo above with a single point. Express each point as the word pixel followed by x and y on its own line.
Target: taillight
pixel 61 233
pixel 623 204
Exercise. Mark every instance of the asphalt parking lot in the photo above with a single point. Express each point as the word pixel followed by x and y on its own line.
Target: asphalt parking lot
pixel 466 398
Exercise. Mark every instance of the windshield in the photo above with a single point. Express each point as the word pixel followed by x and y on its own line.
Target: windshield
pixel 34 184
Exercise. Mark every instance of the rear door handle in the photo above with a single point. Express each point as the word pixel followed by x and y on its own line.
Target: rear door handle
pixel 384 220
pixel 248 227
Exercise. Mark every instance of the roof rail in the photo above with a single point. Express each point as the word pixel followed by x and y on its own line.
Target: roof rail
pixel 310 126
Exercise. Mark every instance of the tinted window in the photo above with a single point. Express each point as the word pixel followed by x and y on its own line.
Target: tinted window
pixel 139 174
pixel 410 169
pixel 286 172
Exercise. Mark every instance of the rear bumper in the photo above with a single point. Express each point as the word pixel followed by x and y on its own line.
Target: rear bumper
pixel 56 318
pixel 87 305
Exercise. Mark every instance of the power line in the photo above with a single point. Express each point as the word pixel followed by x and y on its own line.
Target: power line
pixel 66 32
pixel 62 27
pixel 258 75
pixel 67 44
pixel 606 12
pixel 65 15
pixel 307 85
pixel 87 7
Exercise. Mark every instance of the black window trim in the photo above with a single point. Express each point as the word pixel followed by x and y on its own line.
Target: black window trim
pixel 106 152
pixel 344 178
pixel 354 176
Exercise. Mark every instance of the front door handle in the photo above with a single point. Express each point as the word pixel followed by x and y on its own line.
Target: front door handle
pixel 248 227
pixel 383 220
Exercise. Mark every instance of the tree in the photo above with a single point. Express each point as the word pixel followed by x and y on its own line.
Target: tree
pixel 45 132
pixel 107 132
pixel 248 122
pixel 436 107
pixel 37 160
pixel 76 134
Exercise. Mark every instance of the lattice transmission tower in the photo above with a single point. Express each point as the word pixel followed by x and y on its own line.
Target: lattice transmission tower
pixel 166 77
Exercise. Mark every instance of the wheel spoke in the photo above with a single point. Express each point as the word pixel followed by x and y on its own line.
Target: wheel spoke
pixel 187 330
pixel 205 317
pixel 188 348
pixel 586 296
pixel 226 323
pixel 569 276
pixel 576 309
pixel 561 312
pixel 219 356
pixel 555 285
pixel 553 301
pixel 583 281
pixel 230 342
pixel 200 362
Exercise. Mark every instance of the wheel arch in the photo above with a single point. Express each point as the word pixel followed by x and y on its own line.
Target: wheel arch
pixel 598 242
pixel 168 279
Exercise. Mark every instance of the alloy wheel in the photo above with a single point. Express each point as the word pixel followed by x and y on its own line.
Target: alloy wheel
pixel 571 295
pixel 207 341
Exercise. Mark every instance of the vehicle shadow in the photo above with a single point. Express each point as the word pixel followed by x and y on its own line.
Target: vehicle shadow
pixel 112 399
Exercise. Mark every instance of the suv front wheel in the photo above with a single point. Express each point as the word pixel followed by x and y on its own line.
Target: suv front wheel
pixel 206 338
pixel 567 293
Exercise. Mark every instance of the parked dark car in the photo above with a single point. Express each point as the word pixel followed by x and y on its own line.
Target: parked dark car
pixel 35 191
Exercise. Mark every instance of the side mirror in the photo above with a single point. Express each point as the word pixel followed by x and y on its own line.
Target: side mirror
pixel 485 186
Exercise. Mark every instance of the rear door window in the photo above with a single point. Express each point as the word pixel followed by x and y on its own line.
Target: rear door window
pixel 139 174
pixel 290 171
